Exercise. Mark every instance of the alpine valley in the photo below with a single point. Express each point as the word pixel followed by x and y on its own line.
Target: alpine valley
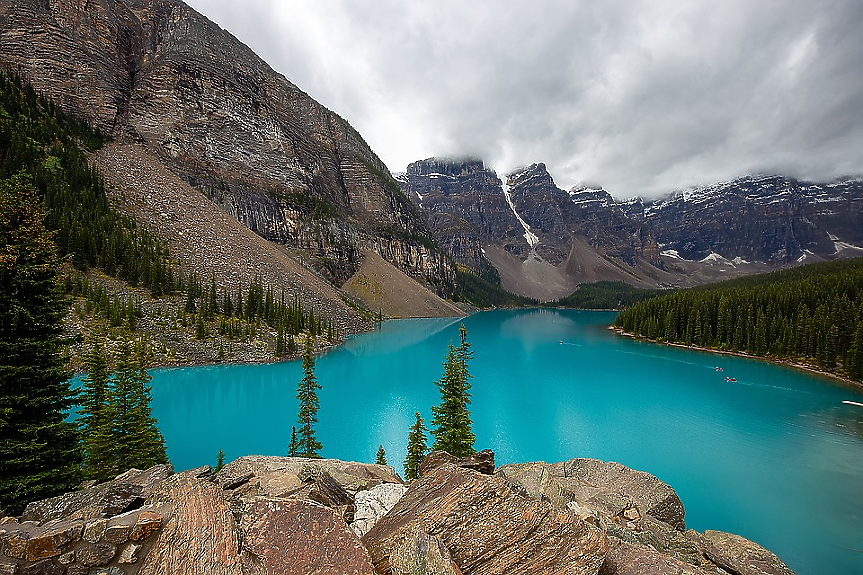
pixel 544 241
pixel 242 174
pixel 251 187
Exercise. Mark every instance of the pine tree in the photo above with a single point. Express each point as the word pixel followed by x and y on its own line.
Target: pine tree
pixel 95 421
pixel 416 448
pixel 138 442
pixel 451 419
pixel 308 397
pixel 220 461
pixel 39 450
pixel 294 446
pixel 381 457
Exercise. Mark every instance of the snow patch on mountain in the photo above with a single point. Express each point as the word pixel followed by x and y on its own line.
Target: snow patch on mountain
pixel 532 238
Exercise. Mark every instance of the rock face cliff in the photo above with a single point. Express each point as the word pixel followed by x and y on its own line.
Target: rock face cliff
pixel 772 219
pixel 266 515
pixel 544 241
pixel 159 73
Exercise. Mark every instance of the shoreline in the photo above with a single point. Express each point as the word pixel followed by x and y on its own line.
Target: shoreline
pixel 788 363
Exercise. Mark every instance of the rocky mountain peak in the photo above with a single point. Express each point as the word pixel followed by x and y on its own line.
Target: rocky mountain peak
pixel 160 74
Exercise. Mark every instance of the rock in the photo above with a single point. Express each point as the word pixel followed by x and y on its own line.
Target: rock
pixel 650 495
pixel 584 513
pixel 327 490
pixel 66 558
pixel 146 524
pixel 108 571
pixel 94 530
pixel 487 527
pixel 741 556
pixel 48 541
pixel 117 534
pixel 200 536
pixel 44 567
pixel 482 461
pixel 8 568
pixel 422 554
pixel 373 504
pixel 129 554
pixel 300 537
pixel 280 477
pixel 15 544
pixel 629 559
pixel 103 500
pixel 95 554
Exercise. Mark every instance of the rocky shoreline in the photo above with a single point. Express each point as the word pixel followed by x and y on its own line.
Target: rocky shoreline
pixel 267 515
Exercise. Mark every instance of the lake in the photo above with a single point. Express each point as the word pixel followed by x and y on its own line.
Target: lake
pixel 775 457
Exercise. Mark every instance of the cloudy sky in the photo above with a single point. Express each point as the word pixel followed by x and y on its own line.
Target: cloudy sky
pixel 639 96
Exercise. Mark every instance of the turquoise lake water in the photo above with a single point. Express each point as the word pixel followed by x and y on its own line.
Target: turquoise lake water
pixel 776 457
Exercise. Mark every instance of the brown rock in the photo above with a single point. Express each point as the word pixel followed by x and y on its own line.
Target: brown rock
pixel 741 556
pixel 117 534
pixel 482 461
pixel 129 554
pixel 66 558
pixel 263 476
pixel 15 544
pixel 7 568
pixel 200 535
pixel 487 527
pixel 148 522
pixel 41 547
pixel 94 530
pixel 422 554
pixel 44 567
pixel 102 500
pixel 95 554
pixel 652 496
pixel 327 490
pixel 629 559
pixel 300 537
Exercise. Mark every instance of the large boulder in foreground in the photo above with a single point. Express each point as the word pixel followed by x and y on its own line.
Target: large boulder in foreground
pixel 487 527
pixel 611 488
pixel 296 537
pixel 631 559
pixel 123 493
pixel 267 476
pixel 741 556
pixel 201 534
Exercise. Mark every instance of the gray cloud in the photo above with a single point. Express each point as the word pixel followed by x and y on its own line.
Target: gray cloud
pixel 641 96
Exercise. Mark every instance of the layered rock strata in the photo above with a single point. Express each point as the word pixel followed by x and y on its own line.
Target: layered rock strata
pixel 266 515
pixel 162 75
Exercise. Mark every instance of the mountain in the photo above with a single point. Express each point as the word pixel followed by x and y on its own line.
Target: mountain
pixel 175 90
pixel 772 219
pixel 544 241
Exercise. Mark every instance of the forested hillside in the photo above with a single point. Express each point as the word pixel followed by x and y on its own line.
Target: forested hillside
pixel 49 148
pixel 812 314
pixel 38 139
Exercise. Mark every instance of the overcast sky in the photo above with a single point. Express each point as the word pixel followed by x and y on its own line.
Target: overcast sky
pixel 639 96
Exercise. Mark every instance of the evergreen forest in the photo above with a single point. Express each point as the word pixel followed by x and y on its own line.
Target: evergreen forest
pixel 810 314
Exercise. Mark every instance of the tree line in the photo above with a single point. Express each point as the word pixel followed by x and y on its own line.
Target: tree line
pixel 812 314
pixel 39 139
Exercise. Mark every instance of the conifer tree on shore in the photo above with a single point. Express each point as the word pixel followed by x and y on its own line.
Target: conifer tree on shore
pixel 95 420
pixel 416 448
pixel 381 457
pixel 451 418
pixel 40 454
pixel 308 445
